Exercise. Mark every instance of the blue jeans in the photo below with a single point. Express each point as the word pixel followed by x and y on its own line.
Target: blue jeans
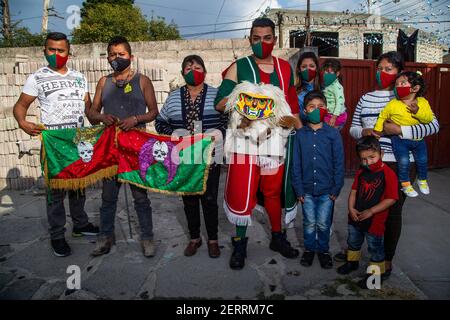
pixel 110 195
pixel 401 149
pixel 317 217
pixel 375 243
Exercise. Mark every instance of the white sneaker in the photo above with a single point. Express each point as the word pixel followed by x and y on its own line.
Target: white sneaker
pixel 409 191
pixel 423 186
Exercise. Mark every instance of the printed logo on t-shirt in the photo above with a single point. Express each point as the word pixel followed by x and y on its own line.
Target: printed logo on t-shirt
pixel 61 97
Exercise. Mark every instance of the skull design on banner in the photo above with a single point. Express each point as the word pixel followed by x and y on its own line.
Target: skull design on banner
pixel 85 151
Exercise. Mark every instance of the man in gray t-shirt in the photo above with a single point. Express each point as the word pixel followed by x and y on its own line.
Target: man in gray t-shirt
pixel 64 98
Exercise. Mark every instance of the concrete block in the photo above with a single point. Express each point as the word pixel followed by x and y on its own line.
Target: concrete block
pixel 36 160
pixel 3 171
pixel 169 55
pixel 160 86
pixel 11 161
pixel 11 78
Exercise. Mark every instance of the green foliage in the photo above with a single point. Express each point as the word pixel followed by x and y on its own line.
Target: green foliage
pixel 103 21
pixel 88 4
pixel 159 30
pixel 22 37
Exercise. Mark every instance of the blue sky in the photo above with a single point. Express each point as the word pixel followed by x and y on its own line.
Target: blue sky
pixel 189 13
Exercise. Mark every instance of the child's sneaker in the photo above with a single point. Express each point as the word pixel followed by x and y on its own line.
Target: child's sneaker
pixel 409 191
pixel 423 186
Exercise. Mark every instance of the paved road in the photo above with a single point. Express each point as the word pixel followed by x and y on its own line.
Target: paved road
pixel 28 270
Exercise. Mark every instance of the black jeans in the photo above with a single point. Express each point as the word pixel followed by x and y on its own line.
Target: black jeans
pixel 110 194
pixel 209 206
pixel 56 214
pixel 393 225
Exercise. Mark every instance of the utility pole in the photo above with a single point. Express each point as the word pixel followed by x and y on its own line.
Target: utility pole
pixel 368 6
pixel 308 24
pixel 45 16
pixel 280 29
pixel 6 31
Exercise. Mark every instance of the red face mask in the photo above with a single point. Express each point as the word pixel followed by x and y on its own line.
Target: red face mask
pixel 385 79
pixel 308 74
pixel 194 77
pixel 56 61
pixel 262 49
pixel 374 166
pixel 402 92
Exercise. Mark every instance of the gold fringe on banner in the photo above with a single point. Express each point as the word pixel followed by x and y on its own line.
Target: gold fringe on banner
pixel 182 193
pixel 82 183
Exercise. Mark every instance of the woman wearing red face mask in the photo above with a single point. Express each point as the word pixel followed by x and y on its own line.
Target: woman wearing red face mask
pixel 308 78
pixel 364 118
pixel 190 110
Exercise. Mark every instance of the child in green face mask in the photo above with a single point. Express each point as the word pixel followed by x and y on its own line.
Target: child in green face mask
pixel 334 92
pixel 317 178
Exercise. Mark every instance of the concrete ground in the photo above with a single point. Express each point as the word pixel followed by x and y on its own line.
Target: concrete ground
pixel 29 270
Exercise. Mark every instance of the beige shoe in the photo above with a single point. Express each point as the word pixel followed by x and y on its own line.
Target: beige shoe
pixel 148 248
pixel 104 245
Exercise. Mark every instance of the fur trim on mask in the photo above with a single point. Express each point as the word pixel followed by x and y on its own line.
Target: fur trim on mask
pixel 257 130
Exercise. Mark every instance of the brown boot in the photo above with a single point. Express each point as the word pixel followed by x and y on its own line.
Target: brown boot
pixel 148 248
pixel 104 244
pixel 213 249
pixel 192 247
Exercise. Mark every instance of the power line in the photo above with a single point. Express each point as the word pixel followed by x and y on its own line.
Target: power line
pixel 218 15
pixel 408 7
pixel 214 24
pixel 304 5
pixel 209 32
pixel 178 9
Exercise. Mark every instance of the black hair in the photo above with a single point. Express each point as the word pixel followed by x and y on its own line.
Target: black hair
pixel 303 56
pixel 368 143
pixel 57 36
pixel 415 79
pixel 119 40
pixel 191 59
pixel 393 57
pixel 314 94
pixel 334 64
pixel 263 22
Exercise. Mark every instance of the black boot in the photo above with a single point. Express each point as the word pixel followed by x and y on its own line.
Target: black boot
pixel 280 244
pixel 237 260
pixel 348 267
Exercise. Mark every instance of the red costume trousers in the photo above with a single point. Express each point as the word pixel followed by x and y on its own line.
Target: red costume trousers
pixel 244 178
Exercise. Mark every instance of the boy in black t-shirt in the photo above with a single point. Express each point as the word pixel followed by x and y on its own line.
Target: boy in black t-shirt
pixel 374 190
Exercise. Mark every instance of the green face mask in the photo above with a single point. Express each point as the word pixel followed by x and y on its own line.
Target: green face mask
pixel 56 61
pixel 262 49
pixel 314 116
pixel 329 78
